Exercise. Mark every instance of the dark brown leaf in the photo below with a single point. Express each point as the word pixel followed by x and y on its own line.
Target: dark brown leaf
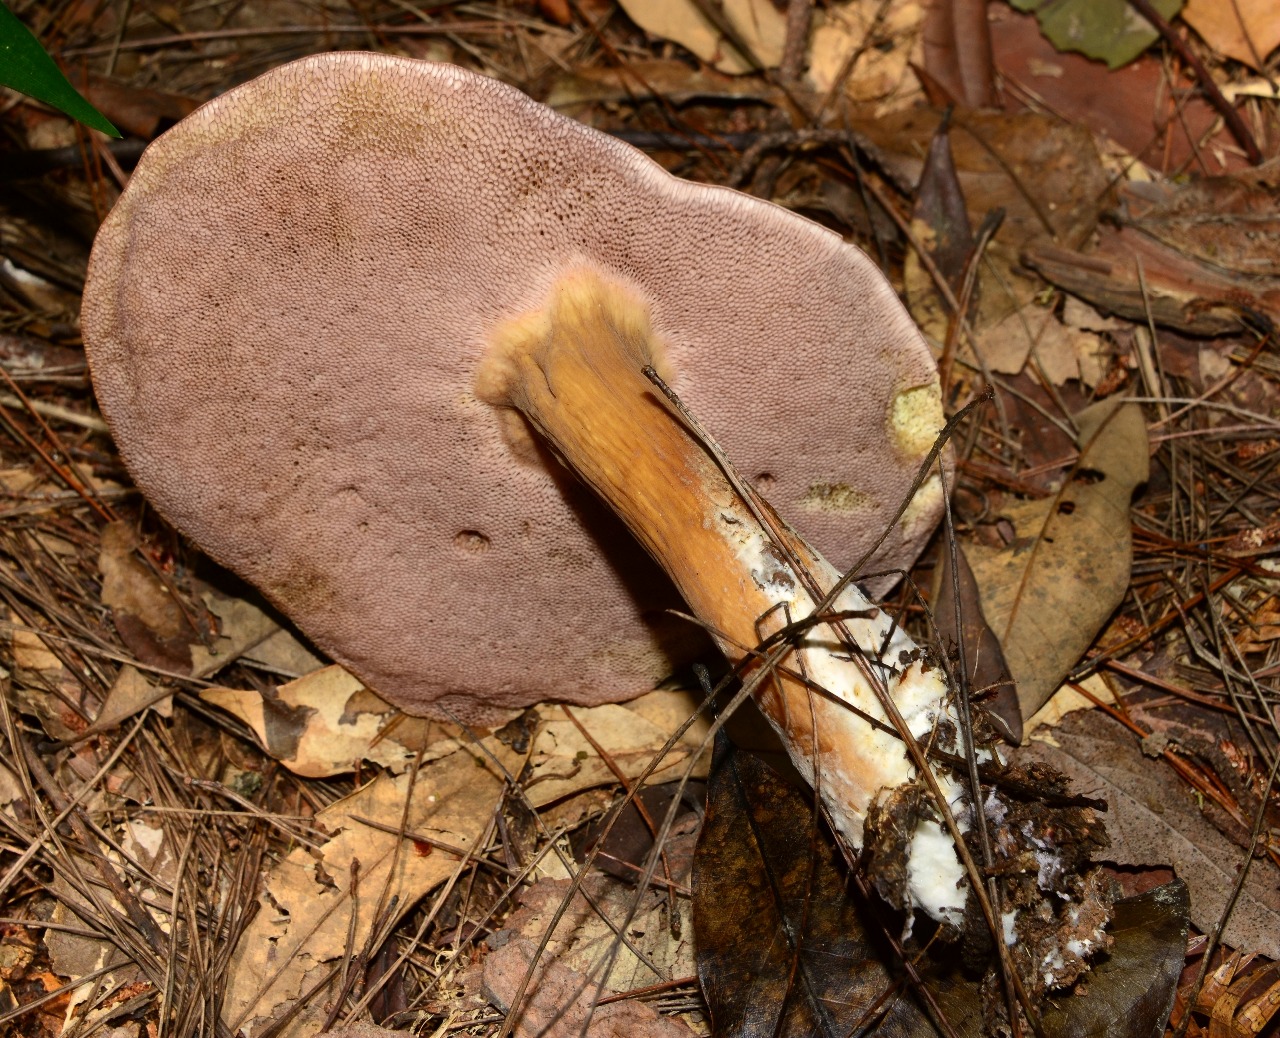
pixel 960 621
pixel 957 51
pixel 783 950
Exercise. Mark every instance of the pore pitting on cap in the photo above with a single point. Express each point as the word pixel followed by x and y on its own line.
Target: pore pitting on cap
pixel 286 313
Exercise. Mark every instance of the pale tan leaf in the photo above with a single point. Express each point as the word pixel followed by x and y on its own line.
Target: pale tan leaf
pixel 760 27
pixel 1047 594
pixel 308 914
pixel 130 694
pixel 1247 30
pixel 313 727
pixel 1034 332
pixel 880 73
pixel 241 626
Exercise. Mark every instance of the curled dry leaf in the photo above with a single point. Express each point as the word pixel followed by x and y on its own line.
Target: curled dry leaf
pixel 327 722
pixel 1049 592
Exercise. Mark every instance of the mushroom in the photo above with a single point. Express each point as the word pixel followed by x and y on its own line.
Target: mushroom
pixel 285 316
pixel 345 318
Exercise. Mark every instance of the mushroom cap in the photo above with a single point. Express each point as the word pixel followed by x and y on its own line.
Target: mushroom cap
pixel 286 312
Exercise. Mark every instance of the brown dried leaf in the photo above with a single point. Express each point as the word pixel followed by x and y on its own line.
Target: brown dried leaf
pixel 957 51
pixel 1050 592
pixel 783 950
pixel 307 914
pixel 961 621
pixel 1246 30
pixel 149 620
pixel 756 24
pixel 1152 820
pixel 558 1002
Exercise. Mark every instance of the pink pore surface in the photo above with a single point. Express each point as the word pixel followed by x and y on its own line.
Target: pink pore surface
pixel 284 318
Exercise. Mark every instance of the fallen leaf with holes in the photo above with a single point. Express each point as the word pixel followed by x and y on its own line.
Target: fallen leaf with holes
pixel 1049 593
pixel 309 913
pixel 1152 819
pixel 1246 30
pixel 559 1002
pixel 756 24
pixel 148 618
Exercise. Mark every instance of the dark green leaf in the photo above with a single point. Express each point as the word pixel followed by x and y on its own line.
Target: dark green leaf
pixel 26 67
pixel 1109 30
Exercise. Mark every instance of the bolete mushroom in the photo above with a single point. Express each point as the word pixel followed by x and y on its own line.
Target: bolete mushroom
pixel 285 317
pixel 345 317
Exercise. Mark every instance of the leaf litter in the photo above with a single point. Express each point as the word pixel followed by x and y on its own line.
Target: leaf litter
pixel 174 873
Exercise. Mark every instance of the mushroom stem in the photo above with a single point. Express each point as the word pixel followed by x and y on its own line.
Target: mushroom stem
pixel 574 369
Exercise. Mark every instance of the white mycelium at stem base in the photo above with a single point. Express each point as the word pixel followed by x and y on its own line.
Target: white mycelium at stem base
pixel 574 370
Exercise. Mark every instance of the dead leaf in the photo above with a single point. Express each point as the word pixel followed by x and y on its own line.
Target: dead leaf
pixel 307 913
pixel 583 940
pixel 242 626
pixel 558 1002
pixel 1047 177
pixel 960 621
pixel 1034 332
pixel 1200 257
pixel 149 619
pixel 957 52
pixel 1050 592
pixel 1246 30
pixel 130 694
pixel 1152 820
pixel 755 23
pixel 311 727
pixel 783 949
pixel 1067 701
pixel 880 73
